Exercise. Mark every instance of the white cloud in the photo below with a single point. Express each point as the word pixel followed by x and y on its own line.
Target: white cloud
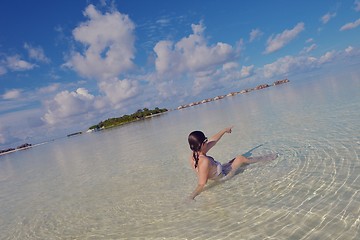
pixel 11 94
pixel 232 74
pixel 290 64
pixel 246 71
pixel 109 42
pixel 83 94
pixel 32 127
pixel 351 51
pixel 255 34
pixel 281 39
pixel 327 57
pixel 119 90
pixel 350 25
pixel 16 64
pixel 309 40
pixel 191 54
pixel 287 64
pixel 309 48
pixel 108 39
pixel 326 18
pixel 36 53
pixel 204 81
pixel 167 89
pixel 230 65
pixel 67 105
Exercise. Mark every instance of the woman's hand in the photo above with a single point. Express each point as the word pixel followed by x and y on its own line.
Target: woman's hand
pixel 228 130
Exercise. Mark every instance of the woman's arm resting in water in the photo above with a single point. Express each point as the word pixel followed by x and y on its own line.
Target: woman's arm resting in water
pixel 214 139
pixel 197 191
pixel 203 168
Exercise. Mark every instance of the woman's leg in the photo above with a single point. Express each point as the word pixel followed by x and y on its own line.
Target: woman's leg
pixel 237 162
pixel 232 166
pixel 241 160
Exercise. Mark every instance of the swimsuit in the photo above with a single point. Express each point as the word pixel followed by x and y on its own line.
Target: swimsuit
pixel 221 169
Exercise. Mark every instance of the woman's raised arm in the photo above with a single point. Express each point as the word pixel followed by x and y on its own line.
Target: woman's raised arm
pixel 214 139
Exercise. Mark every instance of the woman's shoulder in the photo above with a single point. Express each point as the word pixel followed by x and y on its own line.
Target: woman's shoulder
pixel 204 158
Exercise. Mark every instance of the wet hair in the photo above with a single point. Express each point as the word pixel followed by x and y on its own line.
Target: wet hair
pixel 196 139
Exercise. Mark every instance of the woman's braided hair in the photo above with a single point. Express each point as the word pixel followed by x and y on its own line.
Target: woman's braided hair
pixel 196 139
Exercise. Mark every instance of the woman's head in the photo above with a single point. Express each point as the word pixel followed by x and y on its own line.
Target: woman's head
pixel 196 140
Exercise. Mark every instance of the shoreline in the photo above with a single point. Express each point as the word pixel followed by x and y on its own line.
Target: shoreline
pixel 24 148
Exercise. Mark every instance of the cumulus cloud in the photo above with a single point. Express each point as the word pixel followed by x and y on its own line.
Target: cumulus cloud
pixel 15 63
pixel 327 57
pixel 350 25
pixel 68 104
pixel 36 53
pixel 246 71
pixel 351 51
pixel 289 64
pixel 233 73
pixel 281 39
pixel 204 82
pixel 326 18
pixel 167 89
pixel 255 34
pixel 119 90
pixel 230 65
pixel 109 42
pixel 190 54
pixel 11 94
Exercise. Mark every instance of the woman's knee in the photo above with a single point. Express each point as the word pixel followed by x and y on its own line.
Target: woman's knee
pixel 241 159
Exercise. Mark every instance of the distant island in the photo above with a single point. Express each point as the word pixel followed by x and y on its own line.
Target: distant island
pixel 259 87
pixel 21 147
pixel 73 134
pixel 138 115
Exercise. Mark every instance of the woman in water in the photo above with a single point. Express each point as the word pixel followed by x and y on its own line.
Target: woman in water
pixel 205 166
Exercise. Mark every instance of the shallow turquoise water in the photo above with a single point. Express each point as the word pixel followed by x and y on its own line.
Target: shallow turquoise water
pixel 131 182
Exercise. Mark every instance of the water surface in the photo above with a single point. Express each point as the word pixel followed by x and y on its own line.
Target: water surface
pixel 131 181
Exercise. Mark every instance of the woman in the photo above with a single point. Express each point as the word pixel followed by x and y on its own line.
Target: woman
pixel 205 166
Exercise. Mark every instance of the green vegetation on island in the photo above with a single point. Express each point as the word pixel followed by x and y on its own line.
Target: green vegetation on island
pixel 139 114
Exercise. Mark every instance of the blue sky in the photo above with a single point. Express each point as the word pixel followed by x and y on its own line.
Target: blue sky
pixel 66 65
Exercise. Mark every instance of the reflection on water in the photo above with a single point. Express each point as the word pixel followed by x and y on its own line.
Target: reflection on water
pixel 132 181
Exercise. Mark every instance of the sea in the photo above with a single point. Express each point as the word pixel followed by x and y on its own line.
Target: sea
pixel 132 182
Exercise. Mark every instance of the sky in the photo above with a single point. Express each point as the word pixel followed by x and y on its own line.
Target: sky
pixel 67 65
